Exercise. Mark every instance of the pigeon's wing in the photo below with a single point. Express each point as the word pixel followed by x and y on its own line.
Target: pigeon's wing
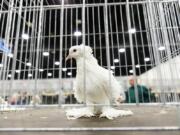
pixel 114 89
pixel 78 93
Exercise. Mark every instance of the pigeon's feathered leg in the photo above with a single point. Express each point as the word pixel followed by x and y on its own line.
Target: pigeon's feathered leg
pixel 80 112
pixel 112 113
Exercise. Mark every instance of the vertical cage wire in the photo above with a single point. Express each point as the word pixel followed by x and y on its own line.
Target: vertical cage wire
pixel 60 49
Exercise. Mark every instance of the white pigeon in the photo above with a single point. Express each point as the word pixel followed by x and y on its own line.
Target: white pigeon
pixel 101 87
pixel 2 101
pixel 36 100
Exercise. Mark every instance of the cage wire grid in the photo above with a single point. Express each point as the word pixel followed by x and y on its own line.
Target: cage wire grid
pixel 130 38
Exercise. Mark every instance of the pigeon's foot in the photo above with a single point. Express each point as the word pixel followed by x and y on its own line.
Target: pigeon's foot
pixel 112 113
pixel 76 113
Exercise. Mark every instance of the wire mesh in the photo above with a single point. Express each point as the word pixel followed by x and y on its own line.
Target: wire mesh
pixel 129 38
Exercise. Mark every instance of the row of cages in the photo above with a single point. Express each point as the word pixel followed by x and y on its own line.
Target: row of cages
pixel 23 92
pixel 24 98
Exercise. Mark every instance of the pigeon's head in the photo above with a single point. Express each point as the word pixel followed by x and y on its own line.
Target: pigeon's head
pixel 78 51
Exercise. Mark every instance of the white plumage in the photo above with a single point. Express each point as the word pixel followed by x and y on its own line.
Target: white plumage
pixel 36 100
pixel 98 90
pixel 2 101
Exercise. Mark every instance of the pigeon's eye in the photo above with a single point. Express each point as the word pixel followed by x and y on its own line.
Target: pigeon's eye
pixel 74 50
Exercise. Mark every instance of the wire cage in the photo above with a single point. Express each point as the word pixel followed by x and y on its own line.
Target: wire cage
pixel 137 39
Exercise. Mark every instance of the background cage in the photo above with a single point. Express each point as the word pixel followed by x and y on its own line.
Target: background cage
pixel 129 37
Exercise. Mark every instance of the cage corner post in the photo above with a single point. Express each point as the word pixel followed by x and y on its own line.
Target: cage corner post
pixel 61 53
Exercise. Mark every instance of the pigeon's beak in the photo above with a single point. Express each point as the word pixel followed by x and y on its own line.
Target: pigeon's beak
pixel 68 57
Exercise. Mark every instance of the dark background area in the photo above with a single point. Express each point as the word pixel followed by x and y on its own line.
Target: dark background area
pixel 94 36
